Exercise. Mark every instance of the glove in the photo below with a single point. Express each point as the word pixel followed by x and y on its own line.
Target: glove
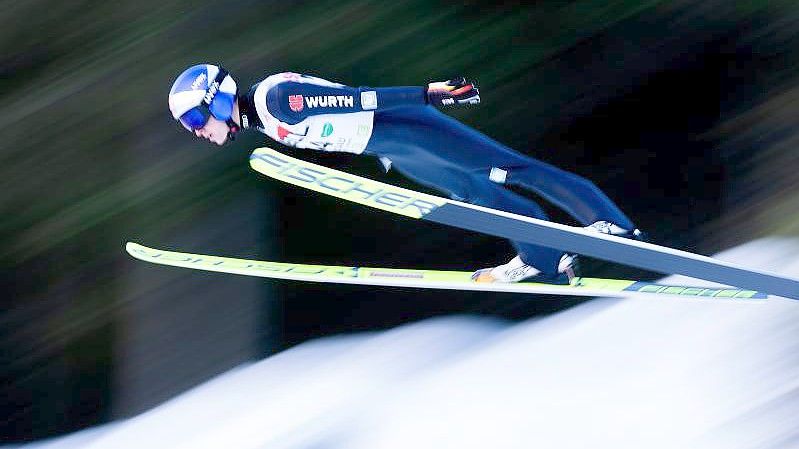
pixel 456 91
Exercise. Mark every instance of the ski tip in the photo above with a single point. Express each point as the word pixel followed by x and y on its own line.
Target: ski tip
pixel 259 152
pixel 263 158
pixel 136 250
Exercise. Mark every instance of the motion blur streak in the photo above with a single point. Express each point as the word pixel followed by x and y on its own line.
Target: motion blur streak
pixel 683 111
pixel 697 374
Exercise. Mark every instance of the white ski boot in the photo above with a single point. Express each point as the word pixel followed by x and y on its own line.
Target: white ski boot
pixel 607 227
pixel 516 271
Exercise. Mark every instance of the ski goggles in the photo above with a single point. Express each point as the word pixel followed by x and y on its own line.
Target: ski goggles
pixel 195 118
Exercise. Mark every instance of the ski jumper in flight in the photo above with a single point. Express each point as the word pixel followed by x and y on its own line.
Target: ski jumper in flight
pixel 402 127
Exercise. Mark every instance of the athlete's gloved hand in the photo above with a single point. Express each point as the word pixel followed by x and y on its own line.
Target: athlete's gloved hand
pixel 454 92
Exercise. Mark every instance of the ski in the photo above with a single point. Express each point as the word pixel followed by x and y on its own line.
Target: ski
pixel 429 279
pixel 511 226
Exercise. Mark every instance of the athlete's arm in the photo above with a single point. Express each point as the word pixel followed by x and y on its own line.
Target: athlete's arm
pixel 293 100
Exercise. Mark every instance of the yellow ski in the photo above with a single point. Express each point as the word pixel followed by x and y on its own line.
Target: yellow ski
pixel 450 280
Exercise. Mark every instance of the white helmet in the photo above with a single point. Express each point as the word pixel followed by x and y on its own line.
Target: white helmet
pixel 202 91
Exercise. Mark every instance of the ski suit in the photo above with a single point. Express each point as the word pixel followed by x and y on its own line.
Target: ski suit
pixel 397 125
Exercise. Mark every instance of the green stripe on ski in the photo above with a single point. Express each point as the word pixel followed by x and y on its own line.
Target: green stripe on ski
pixel 343 185
pixel 452 280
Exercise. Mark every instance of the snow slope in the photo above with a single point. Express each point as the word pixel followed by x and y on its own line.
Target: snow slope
pixel 610 373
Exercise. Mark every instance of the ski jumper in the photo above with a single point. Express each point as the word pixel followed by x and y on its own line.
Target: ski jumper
pixel 397 125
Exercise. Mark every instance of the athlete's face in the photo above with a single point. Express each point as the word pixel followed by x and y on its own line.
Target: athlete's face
pixel 215 131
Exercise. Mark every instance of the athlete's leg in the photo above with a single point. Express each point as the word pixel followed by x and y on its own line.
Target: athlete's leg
pixel 579 197
pixel 422 158
pixel 448 141
pixel 481 191
pixel 485 193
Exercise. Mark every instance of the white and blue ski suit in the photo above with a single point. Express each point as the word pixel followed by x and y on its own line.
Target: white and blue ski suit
pixel 397 125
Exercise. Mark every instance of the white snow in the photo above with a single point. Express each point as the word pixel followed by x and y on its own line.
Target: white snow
pixel 606 374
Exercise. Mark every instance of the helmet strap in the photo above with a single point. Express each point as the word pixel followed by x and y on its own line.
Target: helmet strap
pixel 206 104
pixel 233 129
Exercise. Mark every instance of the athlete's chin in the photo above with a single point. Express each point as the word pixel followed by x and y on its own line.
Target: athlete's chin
pixel 219 141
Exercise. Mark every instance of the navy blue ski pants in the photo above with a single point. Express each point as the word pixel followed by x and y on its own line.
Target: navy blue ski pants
pixel 442 153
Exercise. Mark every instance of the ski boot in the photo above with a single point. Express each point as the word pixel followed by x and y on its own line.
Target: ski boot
pixel 517 271
pixel 606 227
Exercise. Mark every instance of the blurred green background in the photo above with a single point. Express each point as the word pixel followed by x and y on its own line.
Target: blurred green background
pixel 683 111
